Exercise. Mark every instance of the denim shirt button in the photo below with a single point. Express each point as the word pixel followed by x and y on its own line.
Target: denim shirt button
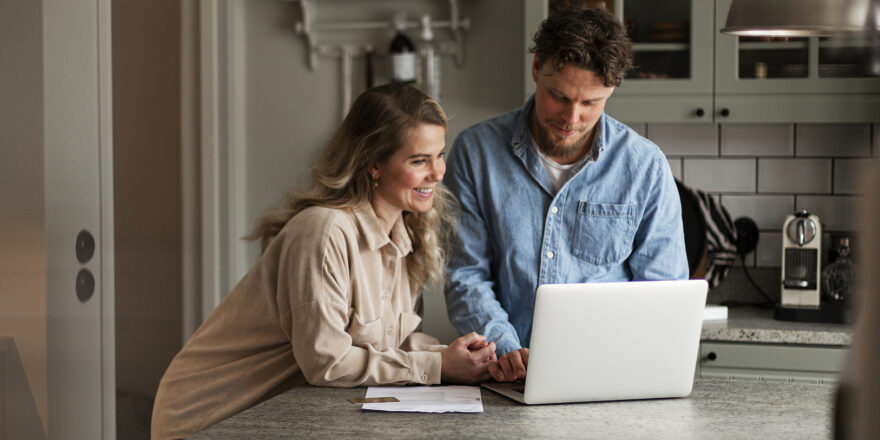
pixel 550 255
pixel 554 210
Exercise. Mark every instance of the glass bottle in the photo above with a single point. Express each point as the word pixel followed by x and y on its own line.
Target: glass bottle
pixel 838 276
pixel 402 53
pixel 430 60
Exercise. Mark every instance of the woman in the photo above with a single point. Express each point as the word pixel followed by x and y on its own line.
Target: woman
pixel 331 301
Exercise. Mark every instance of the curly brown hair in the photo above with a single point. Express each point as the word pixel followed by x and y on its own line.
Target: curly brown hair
pixel 592 39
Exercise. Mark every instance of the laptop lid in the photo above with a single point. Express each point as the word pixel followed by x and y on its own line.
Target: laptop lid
pixel 614 341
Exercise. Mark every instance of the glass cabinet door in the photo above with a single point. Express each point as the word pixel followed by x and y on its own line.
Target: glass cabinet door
pixel 672 45
pixel 672 42
pixel 836 65
pixel 795 65
pixel 848 57
pixel 663 44
pixel 772 57
pixel 781 80
pixel 672 49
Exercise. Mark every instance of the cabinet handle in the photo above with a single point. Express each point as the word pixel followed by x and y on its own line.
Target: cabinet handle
pixel 725 112
pixel 711 356
pixel 700 112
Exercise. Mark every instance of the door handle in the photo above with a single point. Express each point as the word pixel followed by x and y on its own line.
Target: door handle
pixel 85 281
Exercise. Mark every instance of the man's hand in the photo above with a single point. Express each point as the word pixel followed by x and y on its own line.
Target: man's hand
pixel 466 360
pixel 511 366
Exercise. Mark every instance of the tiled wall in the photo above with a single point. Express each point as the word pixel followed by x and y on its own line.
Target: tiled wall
pixel 767 171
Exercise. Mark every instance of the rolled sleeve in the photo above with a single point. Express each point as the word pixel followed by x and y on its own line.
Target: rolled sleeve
pixel 425 367
pixel 418 341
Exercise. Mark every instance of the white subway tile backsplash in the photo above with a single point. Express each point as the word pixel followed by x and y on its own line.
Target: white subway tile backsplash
pixel 833 140
pixel 837 213
pixel 685 139
pixel 849 175
pixel 769 250
pixel 675 165
pixel 720 175
pixel 766 172
pixel 757 140
pixel 794 175
pixel 767 211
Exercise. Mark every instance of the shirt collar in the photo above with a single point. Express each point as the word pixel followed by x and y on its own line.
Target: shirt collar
pixel 374 234
pixel 521 136
pixel 601 139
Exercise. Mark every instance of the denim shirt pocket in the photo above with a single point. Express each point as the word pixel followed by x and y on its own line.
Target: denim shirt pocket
pixel 603 232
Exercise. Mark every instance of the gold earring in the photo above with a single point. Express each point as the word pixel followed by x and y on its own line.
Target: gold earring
pixel 375 182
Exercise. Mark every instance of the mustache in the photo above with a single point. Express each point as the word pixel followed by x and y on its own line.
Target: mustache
pixel 567 127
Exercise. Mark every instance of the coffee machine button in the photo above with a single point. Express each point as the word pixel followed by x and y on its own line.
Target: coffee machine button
pixel 801 231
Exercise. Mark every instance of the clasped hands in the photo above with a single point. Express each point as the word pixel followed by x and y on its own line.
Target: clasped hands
pixel 471 359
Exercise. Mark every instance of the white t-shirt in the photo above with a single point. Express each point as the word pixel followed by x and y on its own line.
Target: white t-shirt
pixel 557 172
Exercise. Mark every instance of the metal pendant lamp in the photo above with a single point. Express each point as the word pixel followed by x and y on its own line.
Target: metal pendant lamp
pixel 801 18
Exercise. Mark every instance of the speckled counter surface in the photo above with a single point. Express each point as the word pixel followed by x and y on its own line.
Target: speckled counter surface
pixel 717 409
pixel 750 324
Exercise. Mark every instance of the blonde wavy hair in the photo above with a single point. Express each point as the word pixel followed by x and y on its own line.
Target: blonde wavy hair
pixel 380 122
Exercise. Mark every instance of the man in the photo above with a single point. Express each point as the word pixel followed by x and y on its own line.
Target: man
pixel 558 192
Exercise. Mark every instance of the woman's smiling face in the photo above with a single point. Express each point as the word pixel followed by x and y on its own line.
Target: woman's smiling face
pixel 408 178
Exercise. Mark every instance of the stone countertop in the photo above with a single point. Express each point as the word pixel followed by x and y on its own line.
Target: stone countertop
pixel 716 409
pixel 752 324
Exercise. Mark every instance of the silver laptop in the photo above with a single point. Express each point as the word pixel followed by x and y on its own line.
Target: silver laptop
pixel 612 341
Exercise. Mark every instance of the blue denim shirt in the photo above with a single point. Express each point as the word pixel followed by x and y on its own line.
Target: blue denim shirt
pixel 618 218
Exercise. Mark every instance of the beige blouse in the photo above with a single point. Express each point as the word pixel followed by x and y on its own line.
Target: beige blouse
pixel 329 303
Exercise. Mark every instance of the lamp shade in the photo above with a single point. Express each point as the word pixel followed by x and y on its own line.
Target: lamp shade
pixel 801 18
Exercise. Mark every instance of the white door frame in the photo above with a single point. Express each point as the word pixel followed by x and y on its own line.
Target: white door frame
pixel 77 109
pixel 215 97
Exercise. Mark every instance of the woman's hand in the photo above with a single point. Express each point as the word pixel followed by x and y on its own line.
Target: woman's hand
pixel 467 359
pixel 511 366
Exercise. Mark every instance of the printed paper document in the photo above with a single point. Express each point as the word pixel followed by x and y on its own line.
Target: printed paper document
pixel 430 399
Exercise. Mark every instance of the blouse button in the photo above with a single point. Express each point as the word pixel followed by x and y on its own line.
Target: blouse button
pixel 388 331
pixel 424 378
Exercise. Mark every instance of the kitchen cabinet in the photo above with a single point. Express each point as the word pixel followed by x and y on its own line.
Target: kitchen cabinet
pixel 813 80
pixel 776 362
pixel 673 76
pixel 687 71
pixel 750 344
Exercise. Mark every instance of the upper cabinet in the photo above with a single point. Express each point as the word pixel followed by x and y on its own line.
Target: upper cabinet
pixel 687 71
pixel 672 47
pixel 815 79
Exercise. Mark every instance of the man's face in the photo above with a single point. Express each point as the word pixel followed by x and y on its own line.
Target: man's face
pixel 568 103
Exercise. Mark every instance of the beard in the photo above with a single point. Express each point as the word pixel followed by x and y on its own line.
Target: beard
pixel 557 149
